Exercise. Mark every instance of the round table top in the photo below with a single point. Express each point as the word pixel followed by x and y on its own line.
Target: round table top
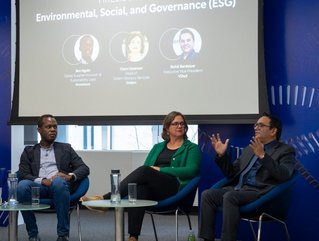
pixel 23 207
pixel 123 204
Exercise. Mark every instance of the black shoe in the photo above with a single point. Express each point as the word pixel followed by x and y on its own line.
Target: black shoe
pixel 63 238
pixel 36 238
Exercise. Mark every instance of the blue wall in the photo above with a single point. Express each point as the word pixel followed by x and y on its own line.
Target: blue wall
pixel 291 34
pixel 5 91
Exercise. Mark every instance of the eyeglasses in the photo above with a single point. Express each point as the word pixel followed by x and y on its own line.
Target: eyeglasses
pixel 260 125
pixel 175 124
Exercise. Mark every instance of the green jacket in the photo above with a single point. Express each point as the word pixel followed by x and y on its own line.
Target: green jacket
pixel 185 163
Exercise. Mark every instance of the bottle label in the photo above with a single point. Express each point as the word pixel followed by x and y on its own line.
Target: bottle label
pixel 191 237
pixel 115 188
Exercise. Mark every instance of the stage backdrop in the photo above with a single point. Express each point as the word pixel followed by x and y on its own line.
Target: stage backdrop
pixel 292 66
pixel 292 50
pixel 5 97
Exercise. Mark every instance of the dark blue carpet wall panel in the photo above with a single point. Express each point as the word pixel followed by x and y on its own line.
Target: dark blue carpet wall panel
pixel 291 35
pixel 5 97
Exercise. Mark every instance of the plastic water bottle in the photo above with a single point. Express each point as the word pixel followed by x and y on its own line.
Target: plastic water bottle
pixel 115 186
pixel 191 236
pixel 12 189
pixel 3 175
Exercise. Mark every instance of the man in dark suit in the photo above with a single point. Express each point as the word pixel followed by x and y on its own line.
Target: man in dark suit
pixel 187 43
pixel 56 169
pixel 263 164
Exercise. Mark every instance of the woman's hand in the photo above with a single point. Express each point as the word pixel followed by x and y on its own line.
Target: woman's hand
pixel 156 168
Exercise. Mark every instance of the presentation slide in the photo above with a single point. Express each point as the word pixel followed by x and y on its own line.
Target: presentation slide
pixel 121 58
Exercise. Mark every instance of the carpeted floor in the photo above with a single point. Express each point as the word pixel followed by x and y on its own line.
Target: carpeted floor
pixel 100 227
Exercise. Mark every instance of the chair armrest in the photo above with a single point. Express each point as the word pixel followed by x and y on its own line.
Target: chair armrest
pixel 220 183
pixel 281 189
pixel 193 184
pixel 81 190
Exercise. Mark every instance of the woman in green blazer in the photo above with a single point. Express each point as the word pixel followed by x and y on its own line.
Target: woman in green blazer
pixel 169 166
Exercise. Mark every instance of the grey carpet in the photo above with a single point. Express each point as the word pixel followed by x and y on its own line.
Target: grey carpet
pixel 100 227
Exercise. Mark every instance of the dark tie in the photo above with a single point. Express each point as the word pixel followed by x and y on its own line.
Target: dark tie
pixel 241 178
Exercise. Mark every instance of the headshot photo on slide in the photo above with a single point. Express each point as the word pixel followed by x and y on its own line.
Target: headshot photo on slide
pixel 86 49
pixel 187 44
pixel 135 46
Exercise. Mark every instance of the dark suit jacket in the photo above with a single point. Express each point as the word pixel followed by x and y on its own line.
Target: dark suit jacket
pixel 67 161
pixel 277 166
pixel 192 55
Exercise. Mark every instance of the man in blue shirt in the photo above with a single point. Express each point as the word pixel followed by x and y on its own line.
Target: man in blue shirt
pixel 264 163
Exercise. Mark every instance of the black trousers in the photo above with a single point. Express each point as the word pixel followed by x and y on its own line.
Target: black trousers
pixel 151 185
pixel 230 201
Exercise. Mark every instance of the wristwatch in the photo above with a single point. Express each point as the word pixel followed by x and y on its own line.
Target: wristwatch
pixel 72 176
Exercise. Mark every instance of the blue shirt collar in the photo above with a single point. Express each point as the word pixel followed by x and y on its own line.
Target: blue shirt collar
pixel 270 145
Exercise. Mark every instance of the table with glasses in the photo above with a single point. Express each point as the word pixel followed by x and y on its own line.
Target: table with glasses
pixel 13 213
pixel 119 211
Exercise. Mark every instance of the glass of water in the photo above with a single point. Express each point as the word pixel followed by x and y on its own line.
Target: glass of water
pixel 35 196
pixel 132 192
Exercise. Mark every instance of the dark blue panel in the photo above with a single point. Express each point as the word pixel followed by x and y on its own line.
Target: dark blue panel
pixel 5 96
pixel 292 76
pixel 291 34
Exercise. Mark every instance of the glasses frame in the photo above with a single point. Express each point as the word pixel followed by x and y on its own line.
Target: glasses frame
pixel 176 124
pixel 261 125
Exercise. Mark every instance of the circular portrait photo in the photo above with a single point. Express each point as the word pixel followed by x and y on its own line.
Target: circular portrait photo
pixel 86 49
pixel 187 43
pixel 135 46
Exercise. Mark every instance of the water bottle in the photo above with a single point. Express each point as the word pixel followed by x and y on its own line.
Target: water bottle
pixel 2 181
pixel 115 186
pixel 191 236
pixel 12 189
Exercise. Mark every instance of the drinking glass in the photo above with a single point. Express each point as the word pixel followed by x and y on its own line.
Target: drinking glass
pixel 35 196
pixel 132 195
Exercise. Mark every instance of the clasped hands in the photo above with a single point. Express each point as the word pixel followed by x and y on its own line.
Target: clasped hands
pixel 221 147
pixel 47 182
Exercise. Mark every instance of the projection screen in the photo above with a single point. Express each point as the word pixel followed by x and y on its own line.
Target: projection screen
pixel 133 61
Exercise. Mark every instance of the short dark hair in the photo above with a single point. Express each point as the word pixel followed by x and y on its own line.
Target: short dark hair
pixel 40 121
pixel 275 122
pixel 85 37
pixel 168 121
pixel 186 30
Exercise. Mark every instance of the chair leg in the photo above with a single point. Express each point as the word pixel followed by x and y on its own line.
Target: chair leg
pixel 154 228
pixel 276 219
pixel 176 221
pixel 189 222
pixel 252 229
pixel 79 221
pixel 176 224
